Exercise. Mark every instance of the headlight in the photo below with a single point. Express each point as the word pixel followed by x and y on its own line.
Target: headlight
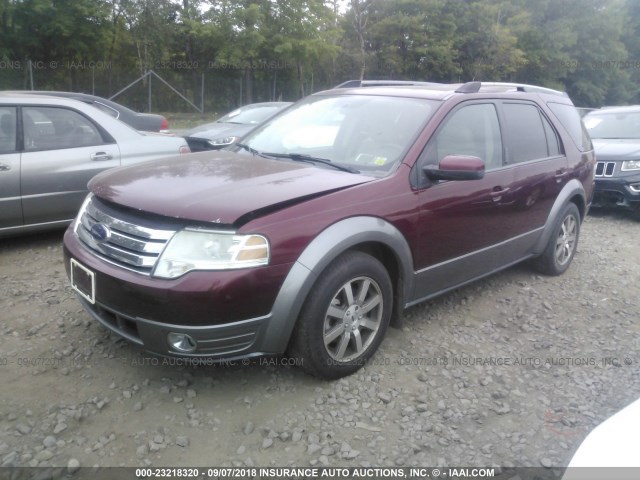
pixel 630 165
pixel 192 249
pixel 222 142
pixel 83 207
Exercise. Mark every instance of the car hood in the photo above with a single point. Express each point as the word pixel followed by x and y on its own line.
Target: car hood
pixel 218 187
pixel 220 130
pixel 617 149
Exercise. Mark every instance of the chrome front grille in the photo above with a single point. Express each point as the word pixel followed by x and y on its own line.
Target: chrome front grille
pixel 120 241
pixel 605 169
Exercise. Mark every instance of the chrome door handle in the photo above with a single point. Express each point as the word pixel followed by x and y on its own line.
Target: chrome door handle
pixel 4 168
pixel 498 192
pixel 101 156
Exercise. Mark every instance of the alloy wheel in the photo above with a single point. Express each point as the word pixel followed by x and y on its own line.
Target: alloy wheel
pixel 353 319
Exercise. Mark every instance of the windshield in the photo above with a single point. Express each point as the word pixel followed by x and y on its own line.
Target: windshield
pixel 370 134
pixel 613 125
pixel 249 116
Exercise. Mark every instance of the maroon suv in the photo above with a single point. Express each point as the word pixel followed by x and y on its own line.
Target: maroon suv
pixel 323 225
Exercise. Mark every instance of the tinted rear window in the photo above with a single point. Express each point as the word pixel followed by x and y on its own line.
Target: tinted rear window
pixel 571 121
pixel 527 138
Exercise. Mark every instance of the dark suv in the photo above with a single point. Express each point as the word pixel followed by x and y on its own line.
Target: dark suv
pixel 616 138
pixel 330 219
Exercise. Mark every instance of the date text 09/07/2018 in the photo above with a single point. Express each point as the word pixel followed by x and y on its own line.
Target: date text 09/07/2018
pixel 315 472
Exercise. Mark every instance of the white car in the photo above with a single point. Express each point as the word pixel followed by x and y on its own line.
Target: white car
pixel 50 147
pixel 612 444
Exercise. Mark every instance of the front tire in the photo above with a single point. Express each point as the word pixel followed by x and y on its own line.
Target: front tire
pixel 345 317
pixel 560 250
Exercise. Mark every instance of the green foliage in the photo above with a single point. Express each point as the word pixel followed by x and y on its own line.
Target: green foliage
pixel 238 51
pixel 53 32
pixel 578 45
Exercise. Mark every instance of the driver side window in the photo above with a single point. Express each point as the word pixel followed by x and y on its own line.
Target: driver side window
pixel 471 130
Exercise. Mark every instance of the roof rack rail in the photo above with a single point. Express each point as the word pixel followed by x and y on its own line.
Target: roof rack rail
pixel 387 83
pixel 497 87
pixel 469 87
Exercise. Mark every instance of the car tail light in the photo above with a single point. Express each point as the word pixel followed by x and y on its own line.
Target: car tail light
pixel 164 124
pixel 184 149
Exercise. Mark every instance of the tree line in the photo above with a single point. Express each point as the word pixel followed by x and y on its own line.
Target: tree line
pixel 222 53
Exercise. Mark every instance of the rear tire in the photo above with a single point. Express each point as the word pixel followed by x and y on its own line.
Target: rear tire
pixel 560 250
pixel 345 317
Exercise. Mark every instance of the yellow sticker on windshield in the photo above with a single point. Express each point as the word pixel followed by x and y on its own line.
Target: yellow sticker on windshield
pixel 380 160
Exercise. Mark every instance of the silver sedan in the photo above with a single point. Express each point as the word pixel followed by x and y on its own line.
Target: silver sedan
pixel 49 150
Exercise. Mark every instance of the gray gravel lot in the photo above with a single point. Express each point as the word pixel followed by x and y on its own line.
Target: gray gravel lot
pixel 513 370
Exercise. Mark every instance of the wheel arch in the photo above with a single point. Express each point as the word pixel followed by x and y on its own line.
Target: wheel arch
pixel 573 192
pixel 370 235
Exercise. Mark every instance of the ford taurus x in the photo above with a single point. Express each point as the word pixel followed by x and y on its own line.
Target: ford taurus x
pixel 317 230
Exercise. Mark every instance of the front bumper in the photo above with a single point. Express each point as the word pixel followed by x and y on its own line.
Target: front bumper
pixel 235 340
pixel 227 313
pixel 620 191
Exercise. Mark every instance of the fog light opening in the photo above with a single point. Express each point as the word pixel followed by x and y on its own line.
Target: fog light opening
pixel 635 187
pixel 182 342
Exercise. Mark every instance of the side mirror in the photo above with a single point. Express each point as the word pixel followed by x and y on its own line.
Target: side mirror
pixel 456 167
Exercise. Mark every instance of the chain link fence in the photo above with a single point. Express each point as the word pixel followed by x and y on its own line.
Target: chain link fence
pixel 162 87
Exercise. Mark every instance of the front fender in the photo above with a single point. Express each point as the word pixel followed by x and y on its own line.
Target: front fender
pixel 318 255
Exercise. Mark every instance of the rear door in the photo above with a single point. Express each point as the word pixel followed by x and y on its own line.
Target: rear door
pixel 10 203
pixel 535 155
pixel 63 150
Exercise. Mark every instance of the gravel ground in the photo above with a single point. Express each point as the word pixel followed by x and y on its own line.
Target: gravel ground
pixel 513 370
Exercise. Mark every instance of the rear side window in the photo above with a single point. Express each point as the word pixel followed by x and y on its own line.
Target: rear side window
pixel 527 139
pixel 53 128
pixel 571 121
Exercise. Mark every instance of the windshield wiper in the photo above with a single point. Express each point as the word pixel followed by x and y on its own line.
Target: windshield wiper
pixel 252 150
pixel 301 157
pixel 298 157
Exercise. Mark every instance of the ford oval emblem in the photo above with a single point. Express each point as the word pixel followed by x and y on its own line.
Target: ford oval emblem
pixel 100 232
